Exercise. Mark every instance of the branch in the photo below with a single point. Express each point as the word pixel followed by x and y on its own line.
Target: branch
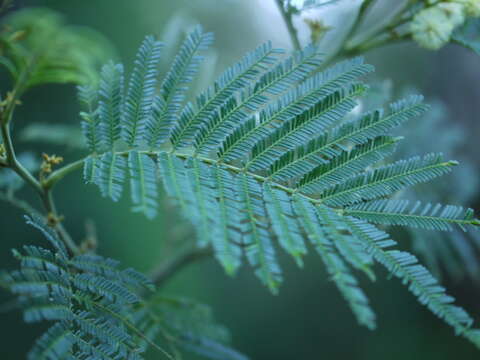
pixel 44 192
pixel 168 269
pixel 287 18
pixel 11 160
pixel 59 174
pixel 49 205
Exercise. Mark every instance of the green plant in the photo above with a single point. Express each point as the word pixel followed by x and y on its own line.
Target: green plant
pixel 270 153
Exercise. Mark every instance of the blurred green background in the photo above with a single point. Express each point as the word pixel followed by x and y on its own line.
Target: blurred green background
pixel 308 320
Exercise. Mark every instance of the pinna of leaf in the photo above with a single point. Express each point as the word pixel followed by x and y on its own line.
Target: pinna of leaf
pixel 268 155
pixel 96 311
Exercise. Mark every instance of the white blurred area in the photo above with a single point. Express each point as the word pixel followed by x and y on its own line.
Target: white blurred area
pixel 339 16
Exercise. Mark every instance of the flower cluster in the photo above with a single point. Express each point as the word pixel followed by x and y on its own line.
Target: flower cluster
pixel 49 162
pixel 433 26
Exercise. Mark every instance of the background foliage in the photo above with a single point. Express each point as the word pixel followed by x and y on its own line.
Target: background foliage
pixel 307 319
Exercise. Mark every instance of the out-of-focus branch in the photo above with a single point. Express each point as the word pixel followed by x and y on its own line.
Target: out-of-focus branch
pixel 287 18
pixel 169 268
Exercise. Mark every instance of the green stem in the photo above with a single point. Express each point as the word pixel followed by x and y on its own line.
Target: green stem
pixel 168 269
pixel 11 160
pixel 49 205
pixel 287 18
pixel 44 192
pixel 59 174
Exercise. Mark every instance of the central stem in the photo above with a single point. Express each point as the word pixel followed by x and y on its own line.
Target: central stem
pixel 44 192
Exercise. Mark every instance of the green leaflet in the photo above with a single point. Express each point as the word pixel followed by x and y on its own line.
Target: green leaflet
pixel 256 239
pixel 388 179
pixel 345 165
pixel 110 102
pixel 193 326
pixel 303 127
pixel 231 81
pixel 305 157
pixel 175 85
pixel 91 124
pixel 226 237
pixel 111 175
pixel 280 78
pixel 141 90
pixel 143 180
pixel 56 341
pixel 347 245
pixel 425 216
pixel 284 223
pixel 336 267
pixel 289 105
pixel 420 282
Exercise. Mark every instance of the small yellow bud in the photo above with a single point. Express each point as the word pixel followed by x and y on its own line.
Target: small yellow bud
pixel 317 29
pixel 49 162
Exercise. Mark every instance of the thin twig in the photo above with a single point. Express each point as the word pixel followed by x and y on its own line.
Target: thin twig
pixel 168 269
pixel 59 174
pixel 44 192
pixel 287 18
pixel 12 161
pixel 49 205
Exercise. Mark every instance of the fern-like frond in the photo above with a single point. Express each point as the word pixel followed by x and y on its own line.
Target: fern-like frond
pixel 294 102
pixel 347 245
pixel 418 215
pixel 86 295
pixel 420 282
pixel 388 179
pixel 303 127
pixel 110 175
pixel 270 155
pixel 284 223
pixel 276 81
pixel 103 287
pixel 304 157
pixel 175 85
pixel 88 97
pixel 345 165
pixel 226 238
pixel 109 268
pixel 143 180
pixel 256 238
pixel 336 267
pixel 50 235
pixel 110 102
pixel 55 343
pixel 192 325
pixel 141 90
pixel 232 80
